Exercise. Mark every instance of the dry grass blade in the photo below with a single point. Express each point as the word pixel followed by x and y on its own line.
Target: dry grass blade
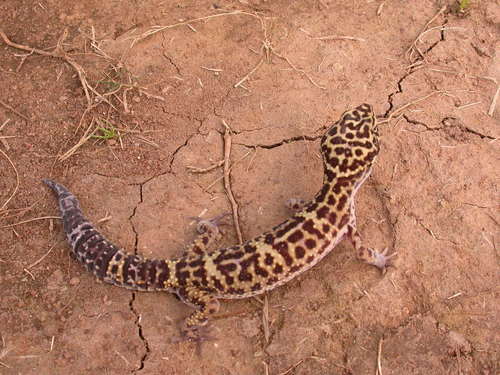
pixel 157 29
pixel 13 110
pixel 414 44
pixel 402 108
pixel 265 319
pixel 494 102
pixel 89 132
pixel 17 181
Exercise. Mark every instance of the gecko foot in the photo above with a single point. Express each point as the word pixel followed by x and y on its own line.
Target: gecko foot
pixel 197 334
pixel 204 225
pixel 379 259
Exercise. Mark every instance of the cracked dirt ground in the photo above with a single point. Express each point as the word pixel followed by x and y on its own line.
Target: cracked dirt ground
pixel 432 197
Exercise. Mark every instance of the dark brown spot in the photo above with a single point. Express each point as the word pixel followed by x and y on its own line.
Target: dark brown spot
pixel 326 228
pixel 322 212
pixel 286 227
pixel 310 258
pixel 339 150
pixel 331 200
pixel 272 280
pixel 342 202
pixel 333 130
pixel 330 175
pixel 344 220
pixel 311 207
pixel 295 236
pixel 308 226
pixel 201 273
pixel 332 218
pixel 358 152
pixel 245 276
pixel 205 240
pixel 249 248
pixel 310 243
pixel 334 161
pixel 282 248
pixel 336 140
pixel 278 269
pixel 269 239
pixel 196 263
pixel 225 269
pixel 229 280
pixel 260 271
pixel 269 260
pixel 180 273
pixel 322 194
pixel 256 287
pixel 295 268
pixel 300 252
pixel 217 284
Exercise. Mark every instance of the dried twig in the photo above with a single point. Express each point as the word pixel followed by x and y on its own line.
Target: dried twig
pixel 402 108
pixel 494 102
pixel 379 355
pixel 227 182
pixel 204 170
pixel 30 220
pixel 59 53
pixel 265 319
pixel 43 257
pixel 332 37
pixel 17 180
pixel 414 44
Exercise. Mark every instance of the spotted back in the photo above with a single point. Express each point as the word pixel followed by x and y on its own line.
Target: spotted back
pixel 351 145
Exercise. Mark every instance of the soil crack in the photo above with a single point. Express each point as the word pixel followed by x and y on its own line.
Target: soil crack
pixel 136 313
pixel 141 334
pixel 300 138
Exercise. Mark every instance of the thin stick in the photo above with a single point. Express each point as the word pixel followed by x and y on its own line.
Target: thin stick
pixel 292 367
pixel 265 319
pixel 158 29
pixel 89 132
pixel 413 45
pixel 17 180
pixel 332 37
pixel 249 73
pixel 302 71
pixel 379 355
pixel 13 110
pixel 227 182
pixel 494 102
pixel 204 170
pixel 402 108
pixel 43 257
pixel 30 220
pixel 57 53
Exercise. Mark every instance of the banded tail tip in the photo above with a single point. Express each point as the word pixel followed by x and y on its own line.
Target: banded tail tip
pixel 55 187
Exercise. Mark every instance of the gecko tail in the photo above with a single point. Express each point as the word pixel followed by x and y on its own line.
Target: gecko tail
pixel 105 260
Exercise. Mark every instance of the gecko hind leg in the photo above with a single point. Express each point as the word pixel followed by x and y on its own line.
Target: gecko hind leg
pixel 208 234
pixel 368 255
pixel 194 326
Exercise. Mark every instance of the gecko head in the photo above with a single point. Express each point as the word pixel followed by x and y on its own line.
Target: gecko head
pixel 351 144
